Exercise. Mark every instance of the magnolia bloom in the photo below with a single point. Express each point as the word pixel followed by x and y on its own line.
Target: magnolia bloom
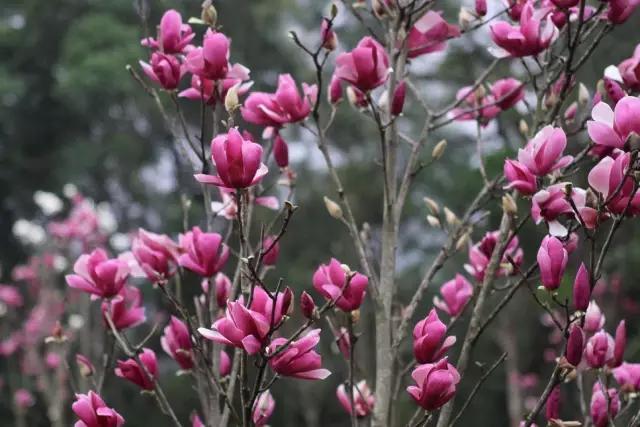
pixel 131 371
pixel 519 177
pixel 609 178
pixel 176 342
pixel 298 359
pixel 11 296
pixel 280 151
pixel 480 254
pixel 204 253
pixel 156 254
pixel 307 305
pixel 550 204
pixel 543 154
pixel 628 377
pixel 331 281
pixel 594 318
pixel 238 162
pixel 365 67
pixel 435 384
pixel 629 70
pixel 164 70
pixel 263 408
pixel 335 90
pixel 552 408
pixel 23 399
pixel 397 101
pixel 477 105
pixel 599 350
pixel 286 105
pixel 507 92
pixel 93 412
pixel 430 34
pixel 552 261
pixel 575 346
pixel 211 61
pixel 582 289
pixel 612 128
pixel 603 408
pixel 363 399
pixel 125 309
pixel 215 91
pixel 455 295
pixel 247 328
pixel 429 339
pixel 271 250
pixel 173 35
pixel 535 33
pixel 620 10
pixel 222 290
pixel 620 345
pixel 224 364
pixel 328 37
pixel 98 275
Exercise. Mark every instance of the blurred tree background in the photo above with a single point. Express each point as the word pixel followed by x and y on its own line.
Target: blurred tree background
pixel 71 113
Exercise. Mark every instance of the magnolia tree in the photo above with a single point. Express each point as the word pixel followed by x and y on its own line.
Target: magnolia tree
pixel 575 178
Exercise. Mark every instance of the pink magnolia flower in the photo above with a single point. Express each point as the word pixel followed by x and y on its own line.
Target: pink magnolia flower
pixel 628 377
pixel 11 296
pixel 335 90
pixel 599 350
pixel 240 327
pixel 330 280
pixel 455 293
pixel 164 70
pixel 173 35
pixel 535 33
pixel 543 154
pixel 98 275
pixel 612 128
pixel 85 366
pixel 552 408
pixel 176 342
pixel 620 345
pixel 480 254
pixel 125 309
pixel 343 341
pixel 298 359
pixel 327 35
pixel 575 345
pixel 216 91
pixel 156 254
pixel 603 408
pixel 307 305
pixel 435 384
pixel 551 203
pixel 280 151
pixel 594 318
pixel 131 371
pixel 480 7
pixel 365 67
pixel 263 303
pixel 552 261
pixel 397 101
pixel 271 250
pixel 195 420
pixel 477 105
pixel 519 177
pixel 222 289
pixel 238 162
pixel 507 92
pixel 582 289
pixel 93 412
pixel 224 364
pixel 363 399
pixel 609 178
pixel 263 408
pixel 228 208
pixel 630 70
pixel 284 106
pixel 204 253
pixel 430 34
pixel 23 399
pixel 211 61
pixel 620 10
pixel 429 341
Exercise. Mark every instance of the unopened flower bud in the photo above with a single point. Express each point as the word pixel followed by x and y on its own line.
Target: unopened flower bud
pixel 452 218
pixel 575 345
pixel 355 315
pixel 583 96
pixel 523 127
pixel 335 91
pixel 432 205
pixel 231 100
pixel 209 13
pixel 328 37
pixel 85 366
pixel 307 305
pixel 397 102
pixel 333 208
pixel 481 7
pixel 462 241
pixel 509 205
pixel 581 289
pixel 433 221
pixel 465 18
pixel 438 150
pixel 281 151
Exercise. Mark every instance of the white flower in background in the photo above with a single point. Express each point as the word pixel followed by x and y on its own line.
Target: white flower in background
pixel 60 263
pixel 120 242
pixel 69 190
pixel 49 203
pixel 106 219
pixel 28 232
